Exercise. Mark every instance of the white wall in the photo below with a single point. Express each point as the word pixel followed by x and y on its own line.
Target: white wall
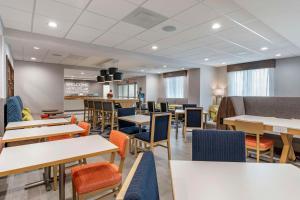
pixel 193 86
pixel 154 84
pixel 40 85
pixel 287 77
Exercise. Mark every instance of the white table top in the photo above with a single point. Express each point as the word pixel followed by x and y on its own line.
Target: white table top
pixel 234 181
pixel 40 132
pixel 35 123
pixel 24 158
pixel 269 121
pixel 138 119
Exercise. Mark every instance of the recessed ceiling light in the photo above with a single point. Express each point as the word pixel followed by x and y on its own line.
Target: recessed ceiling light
pixel 169 28
pixel 33 58
pixel 223 63
pixel 52 24
pixel 264 48
pixel 36 48
pixel 183 68
pixel 165 66
pixel 82 73
pixel 159 72
pixel 154 47
pixel 278 55
pixel 142 70
pixel 206 59
pixel 216 26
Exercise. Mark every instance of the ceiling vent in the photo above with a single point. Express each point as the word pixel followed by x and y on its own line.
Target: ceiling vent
pixel 144 18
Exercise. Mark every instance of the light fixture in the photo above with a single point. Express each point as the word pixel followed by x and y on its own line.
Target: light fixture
pixel 216 26
pixel 112 70
pixel 108 78
pixel 82 73
pixel 183 68
pixel 36 48
pixel 118 76
pixel 100 79
pixel 52 24
pixel 169 28
pixel 103 72
pixel 206 59
pixel 142 70
pixel 33 58
pixel 223 63
pixel 264 48
pixel 154 47
pixel 165 66
pixel 278 55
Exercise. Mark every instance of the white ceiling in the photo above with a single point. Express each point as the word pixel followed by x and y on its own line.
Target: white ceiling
pixel 101 34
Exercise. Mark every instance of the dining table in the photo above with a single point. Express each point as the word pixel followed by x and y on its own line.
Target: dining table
pixel 36 123
pixel 286 128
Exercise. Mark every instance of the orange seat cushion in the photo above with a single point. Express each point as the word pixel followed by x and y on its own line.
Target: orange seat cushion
pixel 264 143
pixel 91 177
pixel 59 137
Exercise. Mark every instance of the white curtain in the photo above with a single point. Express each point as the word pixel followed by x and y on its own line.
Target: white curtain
pixel 256 82
pixel 175 86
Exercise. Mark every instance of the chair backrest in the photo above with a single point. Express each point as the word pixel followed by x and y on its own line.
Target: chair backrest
pixel 160 126
pixel 151 106
pixel 20 101
pixel 122 112
pixel 141 182
pixel 87 128
pixel 216 145
pixel 90 104
pixel 184 106
pixel 13 110
pixel 73 119
pixel 98 105
pixel 85 103
pixel 108 106
pixel 120 140
pixel 164 107
pixel 256 128
pixel 193 118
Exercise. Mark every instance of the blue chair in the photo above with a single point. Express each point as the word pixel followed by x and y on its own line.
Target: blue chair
pixel 13 110
pixel 20 102
pixel 141 182
pixel 159 134
pixel 151 107
pixel 193 120
pixel 164 107
pixel 216 145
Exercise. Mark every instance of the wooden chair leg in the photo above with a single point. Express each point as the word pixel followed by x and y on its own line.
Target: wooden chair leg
pixel 55 174
pixel 184 133
pixel 169 150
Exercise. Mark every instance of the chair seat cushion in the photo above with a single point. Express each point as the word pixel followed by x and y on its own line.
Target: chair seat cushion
pixel 95 176
pixel 131 130
pixel 59 137
pixel 145 136
pixel 264 142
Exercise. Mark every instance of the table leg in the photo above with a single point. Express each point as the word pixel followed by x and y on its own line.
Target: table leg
pixel 47 178
pixel 62 182
pixel 205 121
pixel 176 121
pixel 287 150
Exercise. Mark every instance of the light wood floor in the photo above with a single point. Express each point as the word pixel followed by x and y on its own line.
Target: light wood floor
pixel 12 187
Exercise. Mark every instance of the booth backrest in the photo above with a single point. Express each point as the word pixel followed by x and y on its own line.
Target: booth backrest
pixel 13 110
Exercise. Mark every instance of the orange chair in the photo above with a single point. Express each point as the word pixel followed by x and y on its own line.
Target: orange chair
pixel 86 126
pixel 91 179
pixel 73 119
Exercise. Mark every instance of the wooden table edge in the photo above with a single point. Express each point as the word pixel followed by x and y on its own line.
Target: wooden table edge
pixel 38 125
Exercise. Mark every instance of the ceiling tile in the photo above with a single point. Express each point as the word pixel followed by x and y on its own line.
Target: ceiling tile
pixel 241 16
pixel 196 15
pixel 18 4
pixel 95 21
pixel 150 36
pixel 83 34
pixel 126 29
pixel 116 9
pixel 75 3
pixel 41 26
pixel 16 19
pixel 131 44
pixel 53 9
pixel 222 6
pixel 169 8
pixel 170 22
pixel 110 39
pixel 55 56
pixel 138 2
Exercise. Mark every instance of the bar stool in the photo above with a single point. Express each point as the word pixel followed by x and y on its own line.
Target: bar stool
pixel 97 112
pixel 108 114
pixel 85 108
pixel 90 110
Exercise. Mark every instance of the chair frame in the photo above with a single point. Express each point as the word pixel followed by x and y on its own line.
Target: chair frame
pixel 129 177
pixel 115 188
pixel 97 114
pixel 150 145
pixel 185 128
pixel 255 129
pixel 112 118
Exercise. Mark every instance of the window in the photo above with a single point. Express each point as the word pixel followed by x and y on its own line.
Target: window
pixel 254 82
pixel 175 86
pixel 106 89
pixel 128 90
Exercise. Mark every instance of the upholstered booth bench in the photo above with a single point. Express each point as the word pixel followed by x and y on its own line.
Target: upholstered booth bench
pixel 281 107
